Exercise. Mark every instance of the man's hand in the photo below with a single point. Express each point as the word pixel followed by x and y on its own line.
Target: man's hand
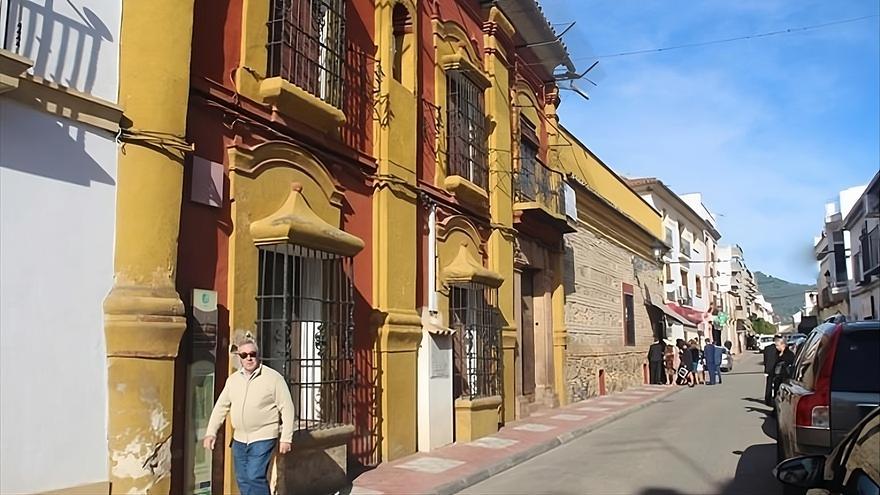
pixel 284 447
pixel 209 441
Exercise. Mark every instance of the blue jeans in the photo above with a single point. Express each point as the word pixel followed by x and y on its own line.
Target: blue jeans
pixel 251 462
pixel 714 371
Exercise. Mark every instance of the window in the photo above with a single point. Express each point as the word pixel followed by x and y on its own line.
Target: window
pixel 840 273
pixel 305 324
pixel 527 178
pixel 477 341
pixel 669 278
pixel 307 46
pixel 629 317
pixel 670 239
pixel 699 286
pixel 467 134
pixel 401 22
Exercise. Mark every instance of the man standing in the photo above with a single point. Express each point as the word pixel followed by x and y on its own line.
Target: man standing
pixel 719 356
pixel 257 397
pixel 784 361
pixel 770 356
pixel 709 354
pixel 655 362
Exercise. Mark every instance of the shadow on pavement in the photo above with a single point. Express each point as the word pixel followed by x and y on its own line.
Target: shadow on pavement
pixel 753 476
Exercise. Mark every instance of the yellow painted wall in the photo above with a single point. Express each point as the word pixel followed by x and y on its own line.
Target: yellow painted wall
pixel 574 158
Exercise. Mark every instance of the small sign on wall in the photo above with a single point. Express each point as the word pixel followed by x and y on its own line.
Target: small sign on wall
pixel 571 210
pixel 207 182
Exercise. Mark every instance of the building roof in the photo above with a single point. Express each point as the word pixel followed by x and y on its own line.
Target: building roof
pixel 856 213
pixel 649 184
pixel 537 34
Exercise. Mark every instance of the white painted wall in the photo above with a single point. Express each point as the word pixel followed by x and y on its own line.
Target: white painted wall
pixel 57 216
pixel 74 43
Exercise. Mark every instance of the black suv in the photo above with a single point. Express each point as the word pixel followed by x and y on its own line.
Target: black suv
pixel 833 384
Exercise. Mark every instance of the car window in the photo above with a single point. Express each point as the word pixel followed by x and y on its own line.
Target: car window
pixel 805 358
pixel 861 484
pixel 856 367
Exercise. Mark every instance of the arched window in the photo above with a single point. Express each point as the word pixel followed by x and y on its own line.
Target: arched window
pixel 402 49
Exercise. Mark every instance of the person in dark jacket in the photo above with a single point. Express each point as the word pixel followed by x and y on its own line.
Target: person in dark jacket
pixel 784 361
pixel 655 362
pixel 687 360
pixel 709 352
pixel 770 356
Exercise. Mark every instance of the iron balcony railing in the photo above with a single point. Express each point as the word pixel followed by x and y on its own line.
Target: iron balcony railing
pixel 536 182
pixel 870 245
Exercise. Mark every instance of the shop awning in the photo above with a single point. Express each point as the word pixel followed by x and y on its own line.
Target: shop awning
pixel 675 317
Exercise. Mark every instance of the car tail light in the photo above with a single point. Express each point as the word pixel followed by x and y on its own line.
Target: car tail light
pixel 813 410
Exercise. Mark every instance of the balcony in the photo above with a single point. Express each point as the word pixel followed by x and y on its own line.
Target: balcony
pixel 539 196
pixel 870 246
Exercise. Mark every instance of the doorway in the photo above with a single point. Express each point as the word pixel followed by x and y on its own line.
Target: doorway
pixel 527 320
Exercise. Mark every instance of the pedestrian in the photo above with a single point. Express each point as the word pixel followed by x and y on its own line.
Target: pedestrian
pixel 709 352
pixel 670 360
pixel 687 362
pixel 719 356
pixel 655 362
pixel 770 355
pixel 258 401
pixel 784 361
pixel 697 355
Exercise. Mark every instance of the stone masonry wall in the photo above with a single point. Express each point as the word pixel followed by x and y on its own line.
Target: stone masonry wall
pixel 595 271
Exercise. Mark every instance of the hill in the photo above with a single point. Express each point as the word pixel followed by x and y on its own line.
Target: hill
pixel 787 297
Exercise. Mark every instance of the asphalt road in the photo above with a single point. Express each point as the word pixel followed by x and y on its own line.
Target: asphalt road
pixel 705 440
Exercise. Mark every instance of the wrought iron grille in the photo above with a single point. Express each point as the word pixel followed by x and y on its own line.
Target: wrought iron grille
pixel 467 154
pixel 305 321
pixel 477 341
pixel 536 182
pixel 307 46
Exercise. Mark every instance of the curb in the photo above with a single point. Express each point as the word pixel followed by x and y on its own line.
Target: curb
pixel 484 474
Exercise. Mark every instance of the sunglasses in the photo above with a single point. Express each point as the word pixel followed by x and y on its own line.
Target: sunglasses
pixel 245 355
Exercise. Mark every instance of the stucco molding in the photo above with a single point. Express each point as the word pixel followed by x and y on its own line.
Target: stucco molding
pixel 297 103
pixel 464 268
pixel 296 223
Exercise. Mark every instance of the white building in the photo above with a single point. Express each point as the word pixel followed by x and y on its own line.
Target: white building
pixel 59 65
pixel 692 234
pixel 832 249
pixel 862 226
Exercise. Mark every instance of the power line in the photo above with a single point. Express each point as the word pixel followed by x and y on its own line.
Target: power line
pixel 737 38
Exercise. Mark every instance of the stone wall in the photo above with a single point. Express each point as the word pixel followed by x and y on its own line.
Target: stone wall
pixel 595 270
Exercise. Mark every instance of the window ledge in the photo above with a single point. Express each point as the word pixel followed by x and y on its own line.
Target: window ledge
pixel 297 103
pixel 466 191
pixel 12 68
pixel 67 103
pixel 323 437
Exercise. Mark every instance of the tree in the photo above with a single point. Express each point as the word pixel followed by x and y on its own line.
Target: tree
pixel 763 327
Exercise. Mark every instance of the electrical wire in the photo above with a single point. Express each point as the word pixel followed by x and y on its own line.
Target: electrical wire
pixel 736 38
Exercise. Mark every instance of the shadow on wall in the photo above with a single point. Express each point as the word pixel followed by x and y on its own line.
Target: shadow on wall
pixel 72 60
pixel 54 149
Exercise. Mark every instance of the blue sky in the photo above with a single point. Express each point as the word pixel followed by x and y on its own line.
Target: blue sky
pixel 768 130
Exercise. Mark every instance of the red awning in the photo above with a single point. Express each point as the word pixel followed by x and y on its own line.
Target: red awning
pixel 692 315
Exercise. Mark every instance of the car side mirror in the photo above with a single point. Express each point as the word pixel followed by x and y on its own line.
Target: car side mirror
pixel 805 472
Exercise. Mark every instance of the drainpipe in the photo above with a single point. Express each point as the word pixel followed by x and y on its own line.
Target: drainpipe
pixel 432 258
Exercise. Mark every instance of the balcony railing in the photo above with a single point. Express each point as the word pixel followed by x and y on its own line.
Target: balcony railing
pixel 535 182
pixel 870 245
pixel 685 296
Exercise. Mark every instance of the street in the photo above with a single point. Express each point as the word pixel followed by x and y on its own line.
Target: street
pixel 705 440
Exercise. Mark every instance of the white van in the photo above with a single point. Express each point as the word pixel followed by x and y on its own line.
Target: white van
pixel 764 341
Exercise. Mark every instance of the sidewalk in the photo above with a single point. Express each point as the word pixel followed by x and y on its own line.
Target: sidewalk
pixel 455 467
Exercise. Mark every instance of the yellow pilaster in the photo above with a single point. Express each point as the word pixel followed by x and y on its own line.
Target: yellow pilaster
pixel 394 239
pixel 501 242
pixel 144 316
pixel 560 335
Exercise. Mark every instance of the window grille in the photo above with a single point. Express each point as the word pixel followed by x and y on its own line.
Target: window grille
pixel 467 138
pixel 305 321
pixel 477 341
pixel 307 46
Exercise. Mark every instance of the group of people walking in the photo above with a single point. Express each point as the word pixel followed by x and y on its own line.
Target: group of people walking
pixel 686 363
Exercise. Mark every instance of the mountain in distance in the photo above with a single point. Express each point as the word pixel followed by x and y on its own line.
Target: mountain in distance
pixel 786 297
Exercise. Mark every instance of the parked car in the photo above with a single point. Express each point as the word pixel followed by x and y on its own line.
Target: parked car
pixel 791 338
pixel 853 467
pixel 834 383
pixel 726 362
pixel 764 341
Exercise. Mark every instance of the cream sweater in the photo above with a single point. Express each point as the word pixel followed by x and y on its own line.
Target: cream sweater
pixel 255 406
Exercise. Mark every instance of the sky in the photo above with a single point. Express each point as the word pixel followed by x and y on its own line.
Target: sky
pixel 768 129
